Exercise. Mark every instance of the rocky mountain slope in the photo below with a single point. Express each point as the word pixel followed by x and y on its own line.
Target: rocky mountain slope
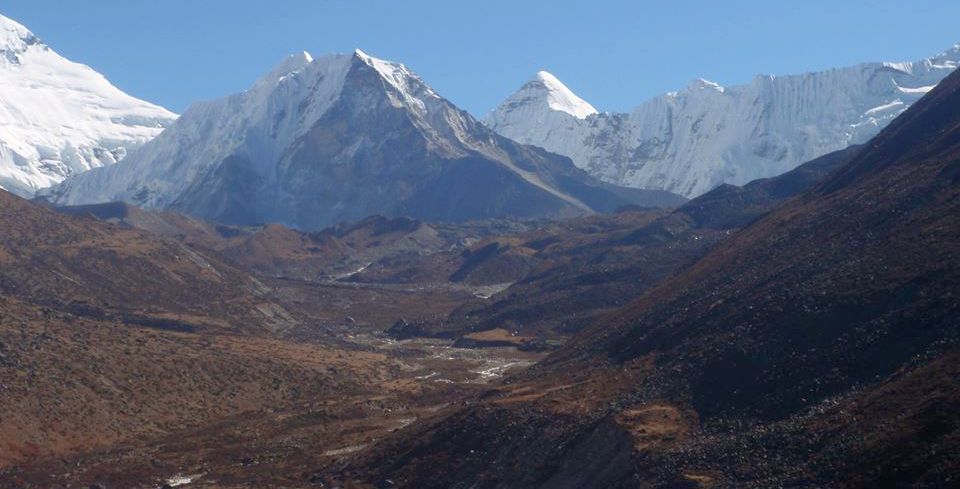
pixel 105 336
pixel 73 383
pixel 131 342
pixel 59 118
pixel 338 253
pixel 568 274
pixel 339 138
pixel 815 347
pixel 542 280
pixel 849 284
pixel 694 139
pixel 105 271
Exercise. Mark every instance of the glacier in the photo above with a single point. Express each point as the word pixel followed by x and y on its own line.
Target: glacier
pixel 59 118
pixel 697 138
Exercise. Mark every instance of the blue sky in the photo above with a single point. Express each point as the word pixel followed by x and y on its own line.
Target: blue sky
pixel 614 54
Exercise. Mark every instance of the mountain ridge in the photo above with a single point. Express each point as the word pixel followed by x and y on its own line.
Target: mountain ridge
pixel 341 137
pixel 694 139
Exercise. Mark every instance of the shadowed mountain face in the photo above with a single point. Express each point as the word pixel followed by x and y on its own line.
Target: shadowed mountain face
pixel 569 273
pixel 816 347
pixel 317 142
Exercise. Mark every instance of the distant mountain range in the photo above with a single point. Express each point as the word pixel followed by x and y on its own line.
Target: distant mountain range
pixel 339 138
pixel 801 330
pixel 59 118
pixel 317 142
pixel 697 138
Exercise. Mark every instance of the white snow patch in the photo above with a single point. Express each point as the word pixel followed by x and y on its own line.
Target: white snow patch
pixel 920 90
pixel 352 273
pixel 903 67
pixel 885 107
pixel 488 291
pixel 702 83
pixel 561 98
pixel 182 480
pixel 494 371
pixel 344 450
pixel 404 422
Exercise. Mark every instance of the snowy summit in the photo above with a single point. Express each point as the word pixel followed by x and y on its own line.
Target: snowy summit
pixel 694 139
pixel 59 118
pixel 560 98
pixel 338 138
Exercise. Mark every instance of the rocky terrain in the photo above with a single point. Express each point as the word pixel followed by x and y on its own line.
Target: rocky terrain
pixel 100 270
pixel 800 330
pixel 817 346
pixel 127 333
pixel 560 277
pixel 369 353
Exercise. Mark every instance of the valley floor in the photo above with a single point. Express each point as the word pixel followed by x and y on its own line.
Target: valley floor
pixel 325 404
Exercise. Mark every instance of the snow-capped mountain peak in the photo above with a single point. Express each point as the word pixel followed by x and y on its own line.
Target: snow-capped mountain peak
pixel 339 138
pixel 559 97
pixel 306 56
pixel 291 64
pixel 544 101
pixel 949 59
pixel 410 87
pixel 294 62
pixel 59 118
pixel 14 37
pixel 691 140
pixel 396 73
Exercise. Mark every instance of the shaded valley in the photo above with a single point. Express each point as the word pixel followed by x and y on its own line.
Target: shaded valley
pixel 339 279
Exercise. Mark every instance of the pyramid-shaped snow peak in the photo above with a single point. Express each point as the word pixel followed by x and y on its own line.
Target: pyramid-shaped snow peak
pixel 559 97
